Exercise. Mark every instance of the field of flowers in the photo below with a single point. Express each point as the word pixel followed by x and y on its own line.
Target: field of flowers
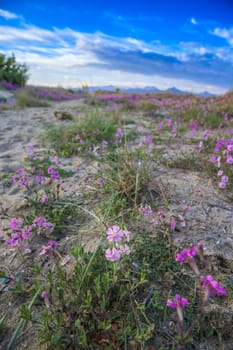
pixel 124 239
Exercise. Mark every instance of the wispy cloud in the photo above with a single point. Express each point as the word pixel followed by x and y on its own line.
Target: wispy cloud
pixel 56 55
pixel 8 15
pixel 224 33
pixel 193 21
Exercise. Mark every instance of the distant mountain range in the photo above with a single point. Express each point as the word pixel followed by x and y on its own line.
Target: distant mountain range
pixel 148 89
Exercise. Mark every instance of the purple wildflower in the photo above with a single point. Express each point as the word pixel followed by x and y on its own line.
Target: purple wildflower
pixel 44 294
pixel 178 301
pixel 44 198
pixel 100 181
pixel 46 248
pixel 112 254
pixel 114 234
pixel 14 240
pixel 185 254
pixel 16 223
pixel 146 210
pixel 211 286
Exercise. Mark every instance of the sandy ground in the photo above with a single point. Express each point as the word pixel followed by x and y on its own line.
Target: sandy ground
pixel 210 219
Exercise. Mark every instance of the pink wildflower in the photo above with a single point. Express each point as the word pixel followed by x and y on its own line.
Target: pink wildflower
pixel 186 254
pixel 174 130
pixel 126 234
pixel 225 178
pixel 114 233
pixel 169 122
pixel 44 198
pixel 160 214
pixel 14 240
pixel 230 147
pixel 211 286
pixel 146 210
pixel 229 159
pixel 100 181
pixel 24 181
pixel 182 221
pixel 200 145
pixel 26 233
pixel 178 304
pixel 206 134
pixel 213 159
pixel 178 301
pixel 55 175
pixel 112 254
pixel 20 171
pixel 46 248
pixel 16 223
pixel 124 249
pixel 44 294
pixel 222 184
pixel 15 178
pixel 30 148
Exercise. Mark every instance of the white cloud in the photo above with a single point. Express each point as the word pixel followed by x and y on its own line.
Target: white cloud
pixel 7 15
pixel 224 33
pixel 29 33
pixel 53 54
pixel 193 21
pixel 201 50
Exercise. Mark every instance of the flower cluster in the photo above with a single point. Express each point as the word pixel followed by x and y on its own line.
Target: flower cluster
pixel 54 174
pixel 42 225
pixel 206 282
pixel 117 239
pixel 146 142
pixel 172 125
pixel 24 176
pixel 186 254
pixel 20 234
pixel 9 86
pixel 21 178
pixel 146 210
pixel 225 148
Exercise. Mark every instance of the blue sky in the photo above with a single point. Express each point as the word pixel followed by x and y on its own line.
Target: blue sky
pixel 187 44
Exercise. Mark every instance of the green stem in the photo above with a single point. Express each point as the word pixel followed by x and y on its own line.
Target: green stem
pixel 136 190
pixel 89 264
pixel 21 323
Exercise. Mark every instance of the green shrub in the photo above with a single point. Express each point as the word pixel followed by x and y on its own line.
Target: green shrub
pixel 80 136
pixel 13 72
pixel 26 98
